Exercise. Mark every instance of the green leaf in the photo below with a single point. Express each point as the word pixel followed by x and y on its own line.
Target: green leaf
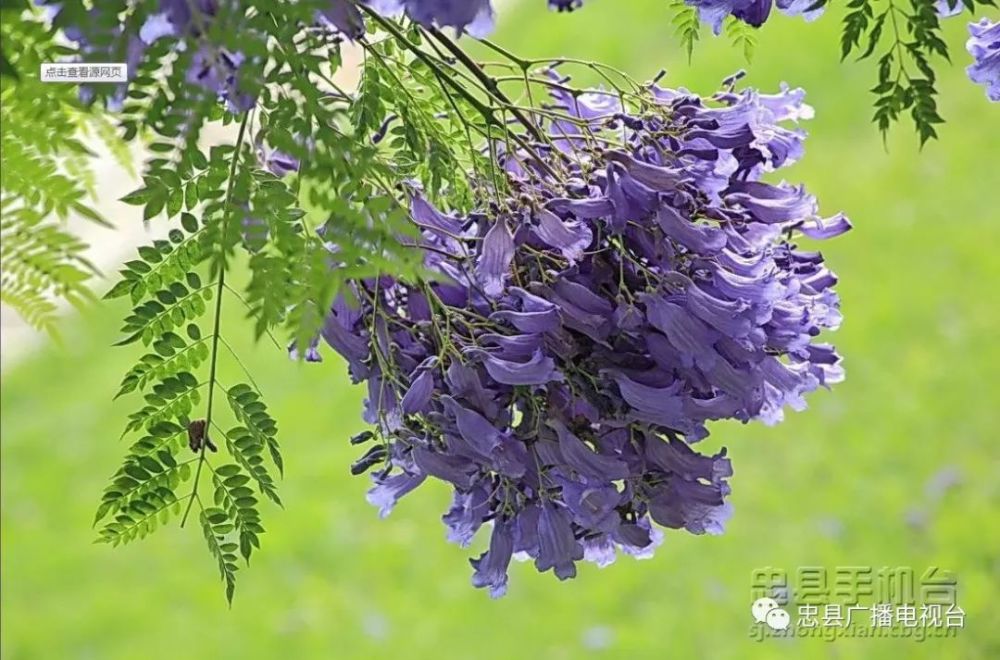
pixel 227 470
pixel 138 197
pixel 6 68
pixel 153 208
pixel 189 222
pixel 216 540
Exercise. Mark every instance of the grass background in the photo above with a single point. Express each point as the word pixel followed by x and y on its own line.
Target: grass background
pixel 852 481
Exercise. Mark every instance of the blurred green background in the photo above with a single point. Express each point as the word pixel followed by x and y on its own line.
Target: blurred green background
pixel 897 466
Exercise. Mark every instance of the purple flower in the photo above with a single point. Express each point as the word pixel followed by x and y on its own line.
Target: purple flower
pixel 802 8
pixel 491 567
pixel 820 228
pixel 534 315
pixel 418 396
pixel 311 353
pixel 466 514
pixel 472 16
pixel 697 507
pixel 446 467
pixel 599 550
pixel 157 26
pixel 557 547
pixel 217 71
pixel 565 5
pixel 773 204
pixel 984 46
pixel 638 539
pixel 346 17
pixel 593 507
pixel 538 370
pixel 495 257
pixel 585 460
pixel 948 8
pixel 277 162
pixel 594 106
pixel 752 12
pixel 698 238
pixel 186 24
pixel 714 12
pixel 481 436
pixel 564 354
pixel 570 237
pixel 388 490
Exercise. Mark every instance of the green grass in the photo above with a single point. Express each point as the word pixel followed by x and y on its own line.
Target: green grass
pixel 841 484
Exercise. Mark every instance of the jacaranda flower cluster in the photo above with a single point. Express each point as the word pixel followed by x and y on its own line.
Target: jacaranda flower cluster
pixel 751 12
pixel 217 69
pixel 633 279
pixel 984 46
pixel 473 16
pixel 210 65
pixel 477 17
pixel 111 47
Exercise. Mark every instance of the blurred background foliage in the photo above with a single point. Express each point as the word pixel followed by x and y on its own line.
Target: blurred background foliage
pixel 898 466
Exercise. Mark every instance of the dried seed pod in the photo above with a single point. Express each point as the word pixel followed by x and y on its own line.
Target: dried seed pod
pixel 198 438
pixel 371 457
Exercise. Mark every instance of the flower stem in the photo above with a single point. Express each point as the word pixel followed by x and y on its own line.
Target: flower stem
pixel 487 112
pixel 488 82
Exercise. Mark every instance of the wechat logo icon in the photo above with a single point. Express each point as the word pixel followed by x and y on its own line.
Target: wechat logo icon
pixel 766 610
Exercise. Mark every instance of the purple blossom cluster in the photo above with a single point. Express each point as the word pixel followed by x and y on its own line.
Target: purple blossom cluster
pixel 477 17
pixel 473 16
pixel 217 69
pixel 582 328
pixel 109 33
pixel 751 12
pixel 984 46
pixel 211 66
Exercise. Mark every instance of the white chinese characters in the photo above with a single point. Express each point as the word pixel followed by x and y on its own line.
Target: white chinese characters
pixel 84 72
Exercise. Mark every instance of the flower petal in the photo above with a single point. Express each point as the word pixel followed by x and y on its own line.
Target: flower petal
pixel 495 257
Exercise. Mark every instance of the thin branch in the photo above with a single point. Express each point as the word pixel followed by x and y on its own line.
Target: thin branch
pixel 216 329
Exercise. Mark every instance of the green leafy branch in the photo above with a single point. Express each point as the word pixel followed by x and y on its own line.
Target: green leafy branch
pixel 168 294
pixel 687 25
pixel 46 178
pixel 909 38
pixel 742 36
